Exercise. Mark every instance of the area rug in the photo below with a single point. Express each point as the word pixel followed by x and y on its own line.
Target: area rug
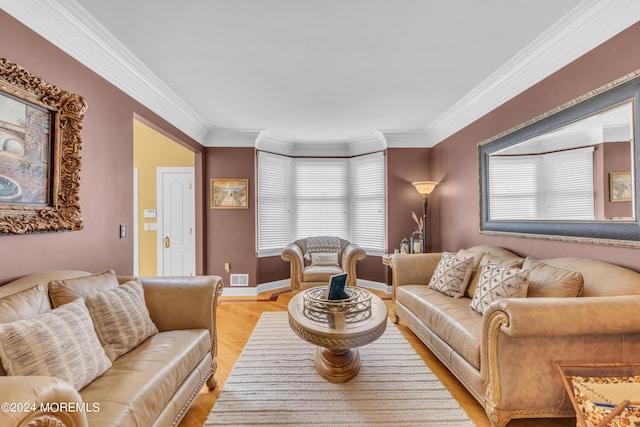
pixel 274 383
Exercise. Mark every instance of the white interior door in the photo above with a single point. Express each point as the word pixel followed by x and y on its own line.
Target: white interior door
pixel 176 222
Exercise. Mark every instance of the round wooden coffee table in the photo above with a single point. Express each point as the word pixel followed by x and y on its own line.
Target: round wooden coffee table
pixel 337 357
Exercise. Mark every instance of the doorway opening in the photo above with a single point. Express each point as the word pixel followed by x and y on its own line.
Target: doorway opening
pixel 164 218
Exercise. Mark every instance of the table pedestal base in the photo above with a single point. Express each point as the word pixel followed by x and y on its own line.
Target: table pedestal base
pixel 337 366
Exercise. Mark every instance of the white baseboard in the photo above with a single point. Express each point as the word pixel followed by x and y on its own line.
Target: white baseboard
pixel 379 286
pixel 279 284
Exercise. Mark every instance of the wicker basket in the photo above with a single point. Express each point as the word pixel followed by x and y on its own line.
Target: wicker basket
pixel 317 307
pixel 603 394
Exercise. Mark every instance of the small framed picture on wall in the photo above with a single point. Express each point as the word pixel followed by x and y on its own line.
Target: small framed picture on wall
pixel 229 193
pixel 620 186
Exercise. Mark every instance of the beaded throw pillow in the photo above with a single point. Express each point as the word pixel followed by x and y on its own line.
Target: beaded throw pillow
pixel 452 274
pixel 497 283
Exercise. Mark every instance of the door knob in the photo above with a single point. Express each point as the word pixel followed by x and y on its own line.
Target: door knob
pixel 167 242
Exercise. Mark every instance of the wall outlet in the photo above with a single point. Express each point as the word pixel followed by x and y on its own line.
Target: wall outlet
pixel 123 231
pixel 227 267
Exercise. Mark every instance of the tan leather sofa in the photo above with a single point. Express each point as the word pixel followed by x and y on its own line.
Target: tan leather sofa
pixel 152 385
pixel 304 275
pixel 506 356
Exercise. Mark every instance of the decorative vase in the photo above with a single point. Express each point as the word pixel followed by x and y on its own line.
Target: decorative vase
pixel 417 242
pixel 404 246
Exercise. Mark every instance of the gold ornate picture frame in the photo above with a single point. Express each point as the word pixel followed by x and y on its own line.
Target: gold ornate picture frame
pixel 40 144
pixel 229 193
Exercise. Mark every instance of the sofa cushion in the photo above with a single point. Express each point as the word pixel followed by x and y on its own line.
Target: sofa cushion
pixel 324 258
pixel 497 283
pixel 61 343
pixel 65 291
pixel 449 318
pixel 548 281
pixel 121 318
pixel 451 276
pixel 24 304
pixel 490 259
pixel 140 384
pixel 319 273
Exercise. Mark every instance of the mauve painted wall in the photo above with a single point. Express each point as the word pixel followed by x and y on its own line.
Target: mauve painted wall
pixel 616 155
pixel 106 178
pixel 231 233
pixel 455 162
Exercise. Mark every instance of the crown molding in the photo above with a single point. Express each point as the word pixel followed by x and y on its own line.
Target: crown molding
pixel 221 137
pixel 406 138
pixel 71 28
pixel 586 26
pixel 355 147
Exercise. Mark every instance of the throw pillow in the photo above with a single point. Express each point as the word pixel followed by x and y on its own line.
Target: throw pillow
pixel 121 318
pixel 497 283
pixel 61 343
pixel 548 281
pixel 452 274
pixel 65 291
pixel 323 244
pixel 324 258
pixel 489 259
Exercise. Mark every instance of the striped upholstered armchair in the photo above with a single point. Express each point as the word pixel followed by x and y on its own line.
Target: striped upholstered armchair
pixel 315 259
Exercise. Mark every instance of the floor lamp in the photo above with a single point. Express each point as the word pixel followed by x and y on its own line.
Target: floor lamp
pixel 424 188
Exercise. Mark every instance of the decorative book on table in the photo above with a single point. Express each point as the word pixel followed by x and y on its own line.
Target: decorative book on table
pixel 337 286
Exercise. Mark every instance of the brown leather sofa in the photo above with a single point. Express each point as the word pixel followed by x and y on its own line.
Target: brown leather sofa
pixel 304 275
pixel 506 356
pixel 152 385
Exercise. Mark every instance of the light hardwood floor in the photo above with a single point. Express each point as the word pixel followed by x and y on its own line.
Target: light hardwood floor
pixel 237 317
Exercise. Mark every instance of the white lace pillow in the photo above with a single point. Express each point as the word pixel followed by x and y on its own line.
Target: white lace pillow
pixel 61 343
pixel 121 318
pixel 324 258
pixel 498 283
pixel 452 274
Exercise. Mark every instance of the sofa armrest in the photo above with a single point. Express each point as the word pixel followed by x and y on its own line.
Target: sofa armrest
pixel 188 302
pixel 39 400
pixel 537 317
pixel 523 338
pixel 293 254
pixel 413 269
pixel 351 255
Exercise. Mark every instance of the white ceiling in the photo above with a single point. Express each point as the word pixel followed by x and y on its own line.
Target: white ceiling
pixel 406 71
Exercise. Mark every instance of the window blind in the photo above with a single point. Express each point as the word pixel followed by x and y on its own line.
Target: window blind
pixel 274 201
pixel 321 198
pixel 367 190
pixel 568 185
pixel 549 186
pixel 302 197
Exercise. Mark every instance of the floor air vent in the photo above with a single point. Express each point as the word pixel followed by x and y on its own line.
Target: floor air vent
pixel 239 280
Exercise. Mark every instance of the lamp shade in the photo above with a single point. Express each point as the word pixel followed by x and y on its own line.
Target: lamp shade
pixel 425 187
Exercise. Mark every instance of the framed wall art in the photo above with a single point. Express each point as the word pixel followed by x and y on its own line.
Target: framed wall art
pixel 229 193
pixel 620 187
pixel 40 145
